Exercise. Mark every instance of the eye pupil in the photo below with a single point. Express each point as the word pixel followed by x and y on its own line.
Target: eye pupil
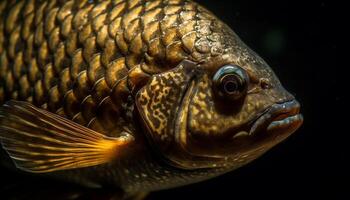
pixel 230 86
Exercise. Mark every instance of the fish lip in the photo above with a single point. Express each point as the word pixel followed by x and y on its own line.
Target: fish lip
pixel 279 115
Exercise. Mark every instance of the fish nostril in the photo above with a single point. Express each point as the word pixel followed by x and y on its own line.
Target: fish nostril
pixel 265 83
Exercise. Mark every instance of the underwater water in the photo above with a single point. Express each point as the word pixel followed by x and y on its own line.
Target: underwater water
pixel 299 41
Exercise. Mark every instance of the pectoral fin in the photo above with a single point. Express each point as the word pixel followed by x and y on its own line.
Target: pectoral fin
pixel 39 141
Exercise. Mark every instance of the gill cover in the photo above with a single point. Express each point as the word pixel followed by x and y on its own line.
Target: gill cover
pixel 163 106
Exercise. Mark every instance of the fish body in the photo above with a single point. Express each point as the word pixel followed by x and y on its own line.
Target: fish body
pixel 149 73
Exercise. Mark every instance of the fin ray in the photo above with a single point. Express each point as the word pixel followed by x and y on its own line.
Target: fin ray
pixel 39 141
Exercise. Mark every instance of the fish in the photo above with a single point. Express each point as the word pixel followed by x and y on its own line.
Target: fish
pixel 139 95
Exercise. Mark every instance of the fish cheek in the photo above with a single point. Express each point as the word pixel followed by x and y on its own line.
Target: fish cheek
pixel 202 109
pixel 213 123
pixel 205 134
pixel 209 115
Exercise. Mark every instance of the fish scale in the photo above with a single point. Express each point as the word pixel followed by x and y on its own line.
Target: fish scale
pixel 82 59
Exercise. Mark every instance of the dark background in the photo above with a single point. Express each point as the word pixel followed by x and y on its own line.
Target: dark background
pixel 300 40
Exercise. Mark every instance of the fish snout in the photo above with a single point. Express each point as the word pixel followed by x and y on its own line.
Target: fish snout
pixel 280 117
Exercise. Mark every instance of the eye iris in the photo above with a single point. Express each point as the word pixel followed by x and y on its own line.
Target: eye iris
pixel 231 82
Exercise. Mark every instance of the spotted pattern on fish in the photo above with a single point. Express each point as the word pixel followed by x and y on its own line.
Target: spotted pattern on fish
pixel 161 100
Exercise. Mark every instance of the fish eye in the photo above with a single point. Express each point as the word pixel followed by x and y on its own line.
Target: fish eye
pixel 231 81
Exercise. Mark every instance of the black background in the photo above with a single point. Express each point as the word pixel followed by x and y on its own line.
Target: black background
pixel 300 40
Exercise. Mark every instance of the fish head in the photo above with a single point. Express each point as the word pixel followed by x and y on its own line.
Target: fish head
pixel 223 111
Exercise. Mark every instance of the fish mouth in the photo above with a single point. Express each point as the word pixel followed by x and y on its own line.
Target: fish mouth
pixel 279 118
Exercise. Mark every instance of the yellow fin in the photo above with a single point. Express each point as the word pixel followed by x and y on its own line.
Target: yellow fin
pixel 39 141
